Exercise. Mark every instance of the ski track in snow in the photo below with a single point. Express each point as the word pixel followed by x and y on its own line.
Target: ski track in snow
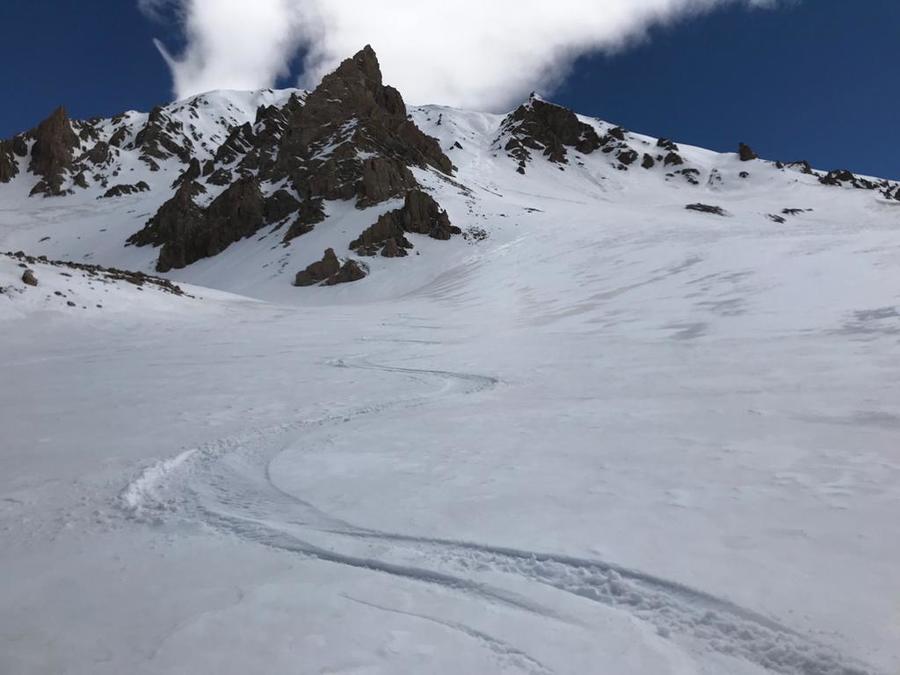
pixel 504 651
pixel 228 485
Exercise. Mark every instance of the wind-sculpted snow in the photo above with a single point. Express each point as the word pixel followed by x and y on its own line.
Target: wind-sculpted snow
pixel 230 487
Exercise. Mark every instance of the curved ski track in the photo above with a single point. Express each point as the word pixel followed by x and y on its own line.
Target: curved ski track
pixel 228 485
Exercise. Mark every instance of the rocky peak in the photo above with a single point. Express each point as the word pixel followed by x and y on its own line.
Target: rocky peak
pixel 52 153
pixel 358 85
pixel 352 106
pixel 547 128
pixel 746 154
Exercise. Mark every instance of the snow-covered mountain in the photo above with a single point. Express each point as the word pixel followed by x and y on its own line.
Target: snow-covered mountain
pixel 319 382
pixel 241 191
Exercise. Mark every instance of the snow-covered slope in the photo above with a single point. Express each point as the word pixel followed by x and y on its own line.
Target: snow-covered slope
pixel 596 432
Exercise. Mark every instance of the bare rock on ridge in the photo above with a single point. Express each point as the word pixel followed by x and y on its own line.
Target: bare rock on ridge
pixel 549 129
pixel 745 152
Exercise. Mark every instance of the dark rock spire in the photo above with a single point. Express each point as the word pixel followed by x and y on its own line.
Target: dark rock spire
pixel 53 152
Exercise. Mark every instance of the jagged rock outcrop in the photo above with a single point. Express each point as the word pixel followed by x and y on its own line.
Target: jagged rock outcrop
pixel 802 166
pixel 707 208
pixel 162 138
pixel 280 206
pixel 553 131
pixel 420 214
pixel 9 165
pixel 52 153
pixel 387 235
pixel 350 271
pixel 99 155
pixel 673 159
pixel 383 179
pixel 330 272
pixel 309 214
pixel 330 144
pixel 173 227
pixel 124 190
pixel 189 175
pixel 117 140
pixel 239 142
pixel 188 233
pixel 746 154
pixel 669 153
pixel 627 157
pixel 546 128
pixel 840 177
pixel 350 139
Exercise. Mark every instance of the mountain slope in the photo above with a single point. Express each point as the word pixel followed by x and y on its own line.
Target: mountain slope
pixel 268 181
pixel 597 430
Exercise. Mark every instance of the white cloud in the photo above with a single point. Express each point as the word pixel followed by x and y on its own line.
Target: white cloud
pixel 483 54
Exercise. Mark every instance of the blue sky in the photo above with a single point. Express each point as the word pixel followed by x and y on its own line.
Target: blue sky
pixel 814 80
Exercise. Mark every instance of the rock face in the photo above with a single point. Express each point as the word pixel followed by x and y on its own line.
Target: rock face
pixel 9 166
pixel 188 233
pixel 549 129
pixel 309 214
pixel 420 214
pixel 162 138
pixel 383 179
pixel 330 272
pixel 53 152
pixel 745 152
pixel 192 173
pixel 173 227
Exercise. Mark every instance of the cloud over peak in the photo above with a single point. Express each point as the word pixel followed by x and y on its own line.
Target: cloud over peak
pixel 466 53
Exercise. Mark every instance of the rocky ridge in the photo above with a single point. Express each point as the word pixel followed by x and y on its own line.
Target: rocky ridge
pixel 288 161
pixel 350 139
pixel 555 133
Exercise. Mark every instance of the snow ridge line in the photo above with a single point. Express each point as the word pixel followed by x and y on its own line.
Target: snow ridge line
pixel 702 619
